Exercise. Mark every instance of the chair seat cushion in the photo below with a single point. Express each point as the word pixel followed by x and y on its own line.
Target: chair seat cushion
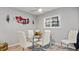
pixel 67 41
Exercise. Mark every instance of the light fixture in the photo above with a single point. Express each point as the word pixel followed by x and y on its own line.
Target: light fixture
pixel 40 10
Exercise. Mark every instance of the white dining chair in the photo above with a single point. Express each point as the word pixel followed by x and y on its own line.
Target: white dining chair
pixel 72 37
pixel 30 35
pixel 46 37
pixel 24 43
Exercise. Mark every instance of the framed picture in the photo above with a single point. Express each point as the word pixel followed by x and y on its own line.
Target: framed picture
pixel 52 22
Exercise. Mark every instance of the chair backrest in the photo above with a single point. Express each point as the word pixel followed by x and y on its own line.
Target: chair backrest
pixel 46 37
pixel 22 38
pixel 73 35
pixel 30 34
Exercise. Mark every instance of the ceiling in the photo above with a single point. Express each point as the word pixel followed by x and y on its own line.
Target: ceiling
pixel 33 10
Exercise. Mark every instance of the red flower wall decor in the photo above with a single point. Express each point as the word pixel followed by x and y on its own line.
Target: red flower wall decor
pixel 22 20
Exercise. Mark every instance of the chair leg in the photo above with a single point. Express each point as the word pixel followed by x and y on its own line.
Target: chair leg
pixel 22 49
pixel 61 44
pixel 67 45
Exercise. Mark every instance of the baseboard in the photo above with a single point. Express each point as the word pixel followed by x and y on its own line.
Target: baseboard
pixel 13 45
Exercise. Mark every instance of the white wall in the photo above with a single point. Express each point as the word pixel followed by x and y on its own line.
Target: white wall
pixel 69 21
pixel 8 31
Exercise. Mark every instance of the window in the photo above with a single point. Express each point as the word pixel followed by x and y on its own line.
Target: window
pixel 52 22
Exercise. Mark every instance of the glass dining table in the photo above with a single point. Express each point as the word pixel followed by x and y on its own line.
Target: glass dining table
pixel 35 43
